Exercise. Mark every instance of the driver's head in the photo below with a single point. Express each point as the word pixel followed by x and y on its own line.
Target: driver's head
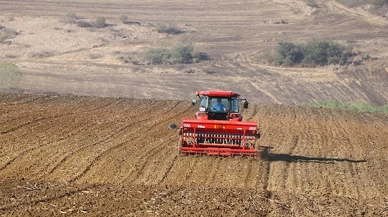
pixel 219 100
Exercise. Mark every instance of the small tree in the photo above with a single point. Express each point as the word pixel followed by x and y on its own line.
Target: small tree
pixel 316 53
pixel 9 75
pixel 182 54
pixel 178 54
pixel 324 53
pixel 289 54
pixel 312 53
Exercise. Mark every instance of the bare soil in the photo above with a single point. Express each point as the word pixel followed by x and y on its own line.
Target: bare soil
pixel 113 156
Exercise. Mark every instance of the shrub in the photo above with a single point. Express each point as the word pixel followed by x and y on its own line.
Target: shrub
pixel 6 33
pixel 178 54
pixel 100 22
pixel 182 54
pixel 95 56
pixel 11 56
pixel 134 62
pixel 70 17
pixel 312 53
pixel 324 53
pixel 128 59
pixel 289 54
pixel 9 75
pixel 198 56
pixel 3 38
pixel 83 24
pixel 169 29
pixel 312 3
pixel 158 56
pixel 40 54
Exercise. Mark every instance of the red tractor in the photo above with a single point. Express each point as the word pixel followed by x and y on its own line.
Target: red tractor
pixel 218 128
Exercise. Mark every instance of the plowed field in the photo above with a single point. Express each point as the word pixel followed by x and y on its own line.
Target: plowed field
pixel 112 156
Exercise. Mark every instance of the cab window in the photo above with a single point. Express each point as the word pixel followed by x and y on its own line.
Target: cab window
pixel 234 104
pixel 204 102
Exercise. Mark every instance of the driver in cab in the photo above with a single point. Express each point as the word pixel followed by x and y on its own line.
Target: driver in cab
pixel 219 107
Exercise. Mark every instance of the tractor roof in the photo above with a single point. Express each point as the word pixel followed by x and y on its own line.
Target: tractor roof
pixel 218 93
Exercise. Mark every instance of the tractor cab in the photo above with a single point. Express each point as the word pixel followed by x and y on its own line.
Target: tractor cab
pixel 219 105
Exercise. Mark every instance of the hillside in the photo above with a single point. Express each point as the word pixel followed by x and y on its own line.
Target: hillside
pixel 58 56
pixel 84 113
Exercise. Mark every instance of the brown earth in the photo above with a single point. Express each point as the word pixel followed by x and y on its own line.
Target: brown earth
pixel 113 156
pixel 97 156
pixel 59 57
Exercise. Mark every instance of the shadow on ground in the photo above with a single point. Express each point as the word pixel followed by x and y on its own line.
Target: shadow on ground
pixel 295 158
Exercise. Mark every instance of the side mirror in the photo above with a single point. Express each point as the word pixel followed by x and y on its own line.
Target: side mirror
pixel 194 101
pixel 172 126
pixel 246 104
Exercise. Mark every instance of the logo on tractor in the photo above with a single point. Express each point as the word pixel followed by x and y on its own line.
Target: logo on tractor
pixel 200 126
pixel 252 128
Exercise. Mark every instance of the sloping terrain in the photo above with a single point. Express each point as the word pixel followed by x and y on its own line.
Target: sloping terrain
pixel 114 156
pixel 73 155
pixel 59 57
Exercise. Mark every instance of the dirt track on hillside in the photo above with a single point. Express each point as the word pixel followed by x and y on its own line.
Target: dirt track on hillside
pixel 239 37
pixel 114 156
